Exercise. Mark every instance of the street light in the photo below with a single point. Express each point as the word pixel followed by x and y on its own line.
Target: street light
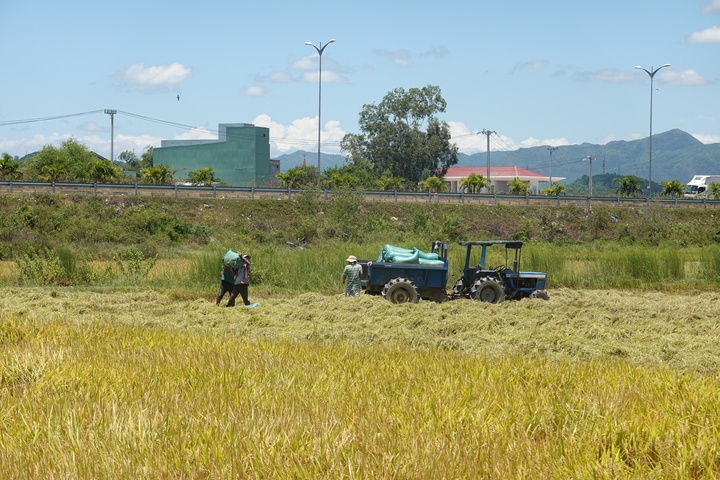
pixel 652 73
pixel 590 159
pixel 320 50
pixel 552 149
pixel 112 113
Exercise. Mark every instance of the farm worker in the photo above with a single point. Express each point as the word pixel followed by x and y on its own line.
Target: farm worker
pixel 227 281
pixel 241 283
pixel 351 277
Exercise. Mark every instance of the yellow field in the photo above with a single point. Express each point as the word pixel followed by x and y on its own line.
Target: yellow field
pixel 164 384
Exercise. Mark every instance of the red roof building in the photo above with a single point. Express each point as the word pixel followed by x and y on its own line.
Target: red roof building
pixel 500 177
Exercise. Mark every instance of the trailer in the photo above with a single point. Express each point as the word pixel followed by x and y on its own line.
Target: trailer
pixel 408 282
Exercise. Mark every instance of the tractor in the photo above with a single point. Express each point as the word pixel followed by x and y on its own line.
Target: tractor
pixel 481 282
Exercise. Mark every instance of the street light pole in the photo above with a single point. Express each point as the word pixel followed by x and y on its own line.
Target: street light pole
pixel 112 113
pixel 652 73
pixel 590 158
pixel 552 149
pixel 320 50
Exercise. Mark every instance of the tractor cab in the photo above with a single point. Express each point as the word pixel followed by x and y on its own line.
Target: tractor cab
pixel 490 276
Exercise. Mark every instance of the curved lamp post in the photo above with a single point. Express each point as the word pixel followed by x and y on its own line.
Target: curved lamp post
pixel 652 73
pixel 320 50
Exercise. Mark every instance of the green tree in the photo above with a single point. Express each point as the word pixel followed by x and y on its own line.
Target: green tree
pixel 302 176
pixel 157 174
pixel 554 190
pixel 629 186
pixel 392 138
pixel 389 182
pixel 473 183
pixel 518 187
pixel 103 171
pixel 9 167
pixel 672 189
pixel 434 184
pixel 72 161
pixel 714 190
pixel 203 176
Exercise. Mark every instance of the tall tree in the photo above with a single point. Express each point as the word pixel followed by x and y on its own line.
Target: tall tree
pixel 393 139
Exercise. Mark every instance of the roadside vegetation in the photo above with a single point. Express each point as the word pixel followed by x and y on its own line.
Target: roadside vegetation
pixel 116 362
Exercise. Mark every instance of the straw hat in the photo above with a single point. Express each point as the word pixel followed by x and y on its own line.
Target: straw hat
pixel 351 259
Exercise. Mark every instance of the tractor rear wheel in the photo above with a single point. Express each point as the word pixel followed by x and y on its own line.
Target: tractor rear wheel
pixel 487 290
pixel 401 290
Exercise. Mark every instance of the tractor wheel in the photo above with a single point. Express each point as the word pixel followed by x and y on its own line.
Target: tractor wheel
pixel 401 290
pixel 487 290
pixel 540 294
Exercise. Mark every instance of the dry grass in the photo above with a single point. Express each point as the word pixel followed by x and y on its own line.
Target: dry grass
pixel 156 384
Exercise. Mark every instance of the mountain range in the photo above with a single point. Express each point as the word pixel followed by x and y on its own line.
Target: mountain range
pixel 676 155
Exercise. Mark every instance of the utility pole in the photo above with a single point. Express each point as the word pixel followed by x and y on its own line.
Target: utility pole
pixel 590 159
pixel 488 133
pixel 552 149
pixel 112 113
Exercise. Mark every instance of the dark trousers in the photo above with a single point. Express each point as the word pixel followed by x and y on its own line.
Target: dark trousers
pixel 225 287
pixel 241 289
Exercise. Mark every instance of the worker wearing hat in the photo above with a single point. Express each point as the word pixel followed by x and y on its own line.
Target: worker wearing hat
pixel 351 277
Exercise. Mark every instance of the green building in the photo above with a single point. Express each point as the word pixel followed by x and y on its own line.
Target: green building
pixel 240 156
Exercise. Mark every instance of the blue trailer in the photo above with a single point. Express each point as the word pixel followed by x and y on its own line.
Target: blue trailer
pixel 408 282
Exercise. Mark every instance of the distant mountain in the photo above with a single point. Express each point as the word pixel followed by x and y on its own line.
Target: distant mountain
pixel 676 155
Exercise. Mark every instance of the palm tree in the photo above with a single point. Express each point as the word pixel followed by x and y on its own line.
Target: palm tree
pixel 293 178
pixel 518 187
pixel 157 174
pixel 434 184
pixel 9 168
pixel 629 186
pixel 554 190
pixel 714 190
pixel 203 176
pixel 390 183
pixel 474 183
pixel 672 189
pixel 102 171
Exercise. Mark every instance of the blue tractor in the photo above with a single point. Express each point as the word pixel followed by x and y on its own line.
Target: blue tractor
pixel 481 282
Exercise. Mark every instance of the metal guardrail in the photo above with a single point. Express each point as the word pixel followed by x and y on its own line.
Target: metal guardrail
pixel 215 191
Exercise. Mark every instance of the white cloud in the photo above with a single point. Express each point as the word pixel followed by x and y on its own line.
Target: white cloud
pixel 301 134
pixel 437 52
pixel 309 68
pixel 401 58
pixel 532 65
pixel 707 138
pixel 709 35
pixel 253 91
pixel 280 77
pixel 683 77
pixel 614 75
pixel 154 75
pixel 713 6
pixel 470 142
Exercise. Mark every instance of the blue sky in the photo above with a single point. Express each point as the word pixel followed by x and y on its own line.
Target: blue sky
pixel 535 73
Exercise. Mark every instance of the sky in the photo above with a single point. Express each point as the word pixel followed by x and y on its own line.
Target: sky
pixel 553 73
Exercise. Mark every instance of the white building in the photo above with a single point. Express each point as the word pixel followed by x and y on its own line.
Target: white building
pixel 500 177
